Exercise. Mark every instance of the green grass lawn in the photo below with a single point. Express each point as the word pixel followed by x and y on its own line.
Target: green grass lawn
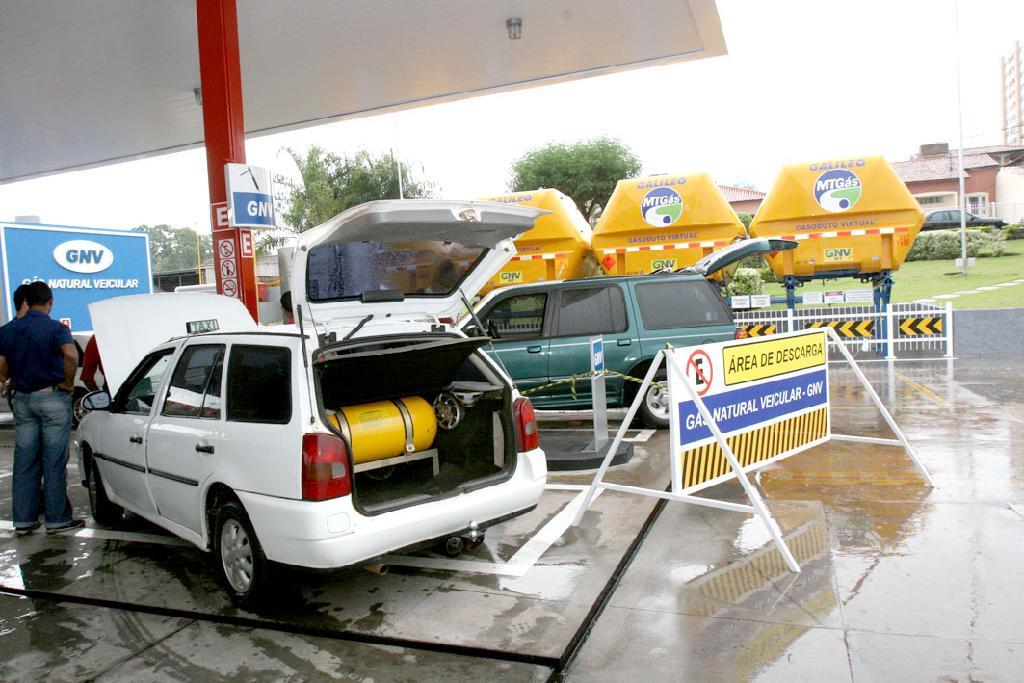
pixel 924 279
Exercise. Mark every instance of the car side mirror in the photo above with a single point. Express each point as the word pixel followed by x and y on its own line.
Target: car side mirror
pixel 97 400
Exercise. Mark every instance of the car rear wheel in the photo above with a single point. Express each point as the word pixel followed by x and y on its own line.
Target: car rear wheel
pixel 243 566
pixel 103 511
pixel 654 410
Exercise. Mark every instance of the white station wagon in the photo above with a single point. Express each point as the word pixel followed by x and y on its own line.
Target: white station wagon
pixel 370 426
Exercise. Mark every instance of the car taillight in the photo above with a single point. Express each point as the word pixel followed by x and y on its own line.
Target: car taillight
pixel 324 467
pixel 527 437
pixel 741 333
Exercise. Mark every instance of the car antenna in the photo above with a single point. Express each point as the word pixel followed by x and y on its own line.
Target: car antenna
pixel 490 342
pixel 305 360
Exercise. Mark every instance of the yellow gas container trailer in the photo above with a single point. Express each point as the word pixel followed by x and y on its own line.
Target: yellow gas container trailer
pixel 851 217
pixel 665 221
pixel 554 249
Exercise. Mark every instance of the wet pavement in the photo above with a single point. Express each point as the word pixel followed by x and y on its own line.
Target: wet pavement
pixel 898 580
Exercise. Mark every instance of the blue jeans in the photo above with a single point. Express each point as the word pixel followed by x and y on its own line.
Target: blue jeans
pixel 42 426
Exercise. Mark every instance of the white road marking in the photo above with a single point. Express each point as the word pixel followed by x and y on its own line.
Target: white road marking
pixel 565 487
pixel 644 435
pixel 105 535
pixel 639 435
pixel 977 290
pixel 523 560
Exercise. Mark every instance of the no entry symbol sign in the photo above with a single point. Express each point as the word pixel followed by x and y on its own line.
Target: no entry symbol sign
pixel 699 370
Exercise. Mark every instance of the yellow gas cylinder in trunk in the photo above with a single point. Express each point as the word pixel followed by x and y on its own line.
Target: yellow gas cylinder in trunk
pixel 386 429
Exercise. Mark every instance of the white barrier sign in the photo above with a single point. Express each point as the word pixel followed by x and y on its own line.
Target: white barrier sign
pixel 737 406
pixel 769 398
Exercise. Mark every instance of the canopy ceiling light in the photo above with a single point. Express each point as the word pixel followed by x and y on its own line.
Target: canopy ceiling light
pixel 515 28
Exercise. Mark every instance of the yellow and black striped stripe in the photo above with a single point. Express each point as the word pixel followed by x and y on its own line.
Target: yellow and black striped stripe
pixel 707 462
pixel 733 583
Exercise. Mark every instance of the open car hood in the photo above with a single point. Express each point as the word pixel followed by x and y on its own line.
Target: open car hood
pixel 129 327
pixel 402 260
pixel 736 251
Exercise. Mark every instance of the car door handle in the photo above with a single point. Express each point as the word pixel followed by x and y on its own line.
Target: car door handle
pixel 534 349
pixel 135 439
pixel 204 448
pixel 623 342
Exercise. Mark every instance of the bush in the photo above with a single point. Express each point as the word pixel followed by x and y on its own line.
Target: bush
pixel 936 245
pixel 745 219
pixel 746 281
pixel 1014 231
pixel 757 262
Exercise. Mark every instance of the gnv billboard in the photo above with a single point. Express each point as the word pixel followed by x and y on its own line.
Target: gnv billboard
pixel 80 265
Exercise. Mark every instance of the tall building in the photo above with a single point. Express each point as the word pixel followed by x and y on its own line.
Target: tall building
pixel 1013 113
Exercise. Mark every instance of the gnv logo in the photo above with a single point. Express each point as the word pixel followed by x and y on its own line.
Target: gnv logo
pixel 837 190
pixel 841 254
pixel 661 206
pixel 83 256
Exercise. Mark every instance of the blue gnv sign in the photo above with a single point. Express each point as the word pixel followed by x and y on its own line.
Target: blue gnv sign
pixel 80 265
pixel 250 196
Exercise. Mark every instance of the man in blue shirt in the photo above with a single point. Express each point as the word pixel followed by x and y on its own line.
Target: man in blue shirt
pixel 20 309
pixel 39 356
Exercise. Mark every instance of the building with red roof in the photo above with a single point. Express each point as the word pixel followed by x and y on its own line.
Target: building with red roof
pixel 993 179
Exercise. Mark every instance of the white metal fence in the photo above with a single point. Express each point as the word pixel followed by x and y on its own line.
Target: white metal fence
pixel 1011 212
pixel 897 328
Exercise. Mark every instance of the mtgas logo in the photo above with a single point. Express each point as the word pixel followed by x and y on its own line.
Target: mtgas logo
pixel 661 206
pixel 510 276
pixel 669 263
pixel 837 190
pixel 83 256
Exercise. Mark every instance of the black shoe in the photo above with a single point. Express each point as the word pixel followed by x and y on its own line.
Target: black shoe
pixel 25 530
pixel 73 524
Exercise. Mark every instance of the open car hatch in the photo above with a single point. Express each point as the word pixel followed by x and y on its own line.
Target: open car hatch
pixel 725 256
pixel 403 259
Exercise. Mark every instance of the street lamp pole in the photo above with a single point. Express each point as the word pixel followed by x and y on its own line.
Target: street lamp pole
pixel 960 146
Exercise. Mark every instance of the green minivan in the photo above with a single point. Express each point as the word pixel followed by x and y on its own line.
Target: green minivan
pixel 541 332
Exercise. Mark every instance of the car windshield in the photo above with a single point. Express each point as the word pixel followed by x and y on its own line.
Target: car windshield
pixel 422 268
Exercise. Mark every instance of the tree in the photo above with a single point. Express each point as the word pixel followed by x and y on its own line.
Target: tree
pixel 175 248
pixel 331 184
pixel 585 171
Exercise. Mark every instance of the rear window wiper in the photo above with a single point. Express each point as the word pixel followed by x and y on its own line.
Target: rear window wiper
pixel 357 327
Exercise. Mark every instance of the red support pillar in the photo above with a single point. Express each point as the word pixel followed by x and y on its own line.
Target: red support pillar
pixel 220 76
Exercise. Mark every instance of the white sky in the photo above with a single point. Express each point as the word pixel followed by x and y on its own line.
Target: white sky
pixel 803 80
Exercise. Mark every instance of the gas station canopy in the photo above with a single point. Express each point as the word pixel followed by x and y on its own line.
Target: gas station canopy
pixel 90 83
